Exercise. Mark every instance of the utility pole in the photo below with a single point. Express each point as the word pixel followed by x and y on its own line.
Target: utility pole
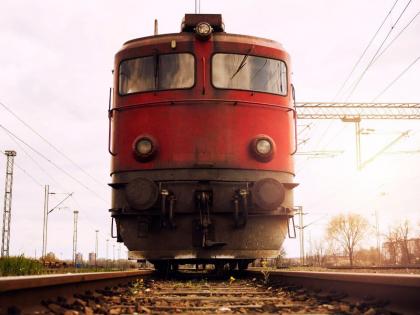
pixel 378 242
pixel 107 245
pixel 45 222
pixel 7 212
pixel 96 246
pixel 47 194
pixel 75 212
pixel 301 236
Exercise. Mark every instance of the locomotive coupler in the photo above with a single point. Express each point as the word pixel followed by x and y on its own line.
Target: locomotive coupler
pixel 167 219
pixel 241 213
pixel 171 212
pixel 203 199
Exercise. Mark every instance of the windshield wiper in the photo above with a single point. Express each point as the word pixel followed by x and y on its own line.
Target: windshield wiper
pixel 241 65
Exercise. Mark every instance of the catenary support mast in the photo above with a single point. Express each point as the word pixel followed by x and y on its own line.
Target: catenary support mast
pixel 75 236
pixel 7 213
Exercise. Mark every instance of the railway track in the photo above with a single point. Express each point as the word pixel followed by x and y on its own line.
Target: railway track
pixel 255 291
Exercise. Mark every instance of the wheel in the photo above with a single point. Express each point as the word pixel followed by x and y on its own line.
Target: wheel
pixel 174 267
pixel 243 264
pixel 232 265
pixel 162 266
pixel 219 268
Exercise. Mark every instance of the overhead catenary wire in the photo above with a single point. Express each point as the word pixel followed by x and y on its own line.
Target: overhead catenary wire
pixel 54 164
pixel 25 172
pixel 49 143
pixel 31 158
pixel 364 51
pixel 331 195
pixel 396 37
pixel 396 79
pixel 85 216
pixel 359 79
pixel 28 174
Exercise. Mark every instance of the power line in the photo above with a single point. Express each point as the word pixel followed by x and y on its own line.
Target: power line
pixel 299 171
pixel 356 84
pixel 31 158
pixel 364 52
pixel 25 172
pixel 54 164
pixel 29 175
pixel 87 218
pixel 49 143
pixel 396 37
pixel 396 79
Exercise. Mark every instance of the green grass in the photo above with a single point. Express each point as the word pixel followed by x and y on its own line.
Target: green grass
pixel 19 266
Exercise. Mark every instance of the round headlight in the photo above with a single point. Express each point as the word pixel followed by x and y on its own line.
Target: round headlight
pixel 263 146
pixel 144 148
pixel 203 29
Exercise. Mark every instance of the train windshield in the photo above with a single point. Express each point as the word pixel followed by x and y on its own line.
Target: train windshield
pixel 159 72
pixel 245 72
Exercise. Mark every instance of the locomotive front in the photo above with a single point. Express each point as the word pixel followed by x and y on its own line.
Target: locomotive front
pixel 202 135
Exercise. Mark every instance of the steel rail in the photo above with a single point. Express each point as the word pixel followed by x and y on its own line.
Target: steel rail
pixel 401 292
pixel 27 291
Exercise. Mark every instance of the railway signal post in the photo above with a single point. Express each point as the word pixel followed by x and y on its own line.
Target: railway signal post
pixel 7 213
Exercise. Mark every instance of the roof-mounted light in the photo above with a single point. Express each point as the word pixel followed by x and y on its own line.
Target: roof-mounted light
pixel 191 21
pixel 203 30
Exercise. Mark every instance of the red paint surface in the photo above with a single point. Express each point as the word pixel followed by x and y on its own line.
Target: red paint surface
pixel 213 128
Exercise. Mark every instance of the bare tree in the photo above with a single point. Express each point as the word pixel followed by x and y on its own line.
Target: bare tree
pixel 319 254
pixel 348 231
pixel 392 246
pixel 403 230
pixel 398 243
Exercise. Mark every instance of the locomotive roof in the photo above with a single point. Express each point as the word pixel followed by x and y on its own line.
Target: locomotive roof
pixel 216 37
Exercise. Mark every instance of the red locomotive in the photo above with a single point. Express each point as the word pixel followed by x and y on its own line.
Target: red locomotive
pixel 202 137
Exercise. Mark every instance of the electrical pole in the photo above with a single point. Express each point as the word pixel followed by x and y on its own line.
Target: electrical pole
pixel 75 237
pixel 47 194
pixel 45 223
pixel 7 213
pixel 107 245
pixel 378 242
pixel 96 246
pixel 301 236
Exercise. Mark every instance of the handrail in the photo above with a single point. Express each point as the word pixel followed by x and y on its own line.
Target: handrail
pixel 296 133
pixel 110 111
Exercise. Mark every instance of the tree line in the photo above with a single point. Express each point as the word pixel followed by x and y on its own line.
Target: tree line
pixel 346 233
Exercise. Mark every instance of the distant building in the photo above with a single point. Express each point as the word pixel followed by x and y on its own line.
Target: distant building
pixel 92 258
pixel 395 253
pixel 79 258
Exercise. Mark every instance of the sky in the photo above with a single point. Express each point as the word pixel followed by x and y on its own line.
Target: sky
pixel 56 59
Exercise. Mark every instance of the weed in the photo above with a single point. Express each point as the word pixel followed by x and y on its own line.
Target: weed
pixel 19 266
